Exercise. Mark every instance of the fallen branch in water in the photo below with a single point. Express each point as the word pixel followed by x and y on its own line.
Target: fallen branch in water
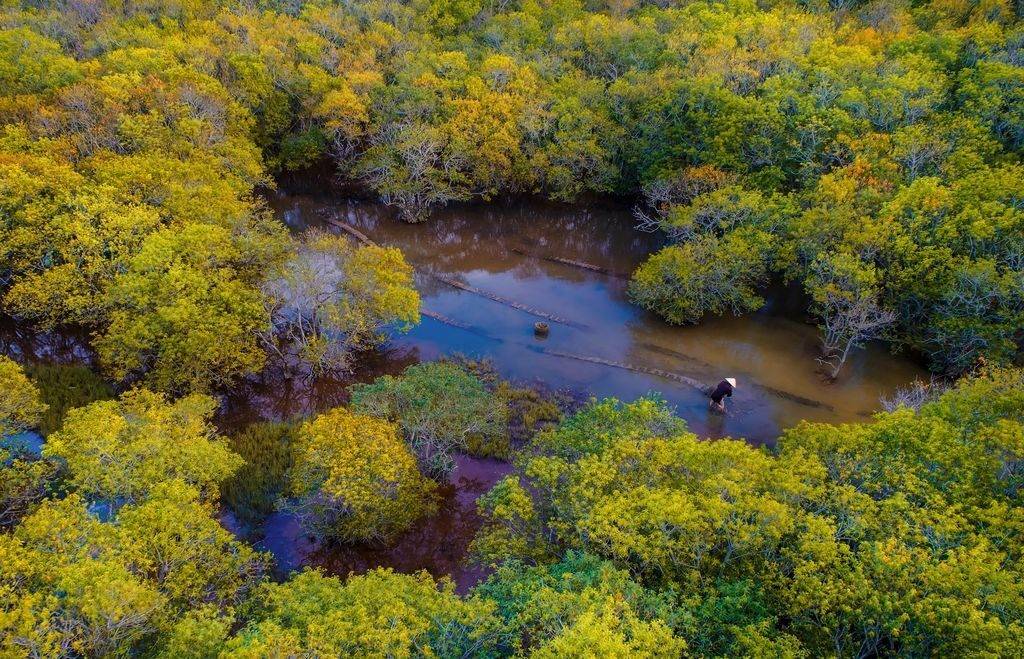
pixel 445 319
pixel 497 298
pixel 569 262
pixel 696 384
pixel 351 230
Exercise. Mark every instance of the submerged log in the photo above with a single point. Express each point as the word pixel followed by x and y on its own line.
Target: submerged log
pixel 676 377
pixel 668 352
pixel 796 398
pixel 696 384
pixel 454 283
pixel 445 319
pixel 570 262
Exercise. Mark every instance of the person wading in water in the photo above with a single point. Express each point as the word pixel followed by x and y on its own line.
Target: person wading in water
pixel 724 388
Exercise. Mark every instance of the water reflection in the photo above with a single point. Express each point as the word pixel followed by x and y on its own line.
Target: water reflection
pixel 286 390
pixel 513 251
pixel 437 543
pixel 25 343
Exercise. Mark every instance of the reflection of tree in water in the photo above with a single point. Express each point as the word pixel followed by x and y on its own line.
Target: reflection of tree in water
pixel 437 543
pixel 285 390
pixel 28 343
pixel 476 236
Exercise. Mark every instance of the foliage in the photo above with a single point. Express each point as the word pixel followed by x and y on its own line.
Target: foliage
pixel 64 387
pixel 883 130
pixel 173 539
pixel 184 319
pixel 440 408
pixel 331 299
pixel 580 605
pixel 354 479
pixel 621 534
pixel 252 492
pixel 530 410
pixel 24 481
pixel 380 613
pixel 20 404
pixel 120 450
pixel 709 275
pixel 74 585
pixel 884 537
pixel 869 151
pixel 845 295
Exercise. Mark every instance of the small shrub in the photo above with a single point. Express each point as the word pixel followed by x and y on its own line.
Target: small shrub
pixel 354 479
pixel 441 408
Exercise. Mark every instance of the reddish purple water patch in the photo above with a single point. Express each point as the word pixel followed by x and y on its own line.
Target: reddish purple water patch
pixel 436 544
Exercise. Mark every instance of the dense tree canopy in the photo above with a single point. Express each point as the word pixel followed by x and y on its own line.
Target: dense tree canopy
pixel 20 406
pixel 119 450
pixel 620 533
pixel 892 537
pixel 884 132
pixel 73 585
pixel 867 151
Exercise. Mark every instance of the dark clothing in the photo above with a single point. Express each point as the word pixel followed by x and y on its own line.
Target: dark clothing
pixel 721 391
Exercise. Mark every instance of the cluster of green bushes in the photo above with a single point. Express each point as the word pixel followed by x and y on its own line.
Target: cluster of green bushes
pixel 619 534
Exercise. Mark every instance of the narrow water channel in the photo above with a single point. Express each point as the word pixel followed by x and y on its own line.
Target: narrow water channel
pixel 530 255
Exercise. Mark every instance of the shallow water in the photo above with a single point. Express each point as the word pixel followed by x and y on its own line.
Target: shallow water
pixel 509 250
pixel 437 543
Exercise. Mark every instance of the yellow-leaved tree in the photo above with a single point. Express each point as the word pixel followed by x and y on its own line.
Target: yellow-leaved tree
pixel 73 585
pixel 331 299
pixel 20 407
pixel 378 614
pixel 119 450
pixel 354 478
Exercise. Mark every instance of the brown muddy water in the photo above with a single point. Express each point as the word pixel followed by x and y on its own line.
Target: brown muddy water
pixel 519 253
